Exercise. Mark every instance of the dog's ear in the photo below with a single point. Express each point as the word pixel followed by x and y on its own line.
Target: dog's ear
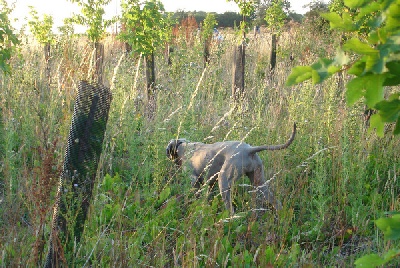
pixel 172 148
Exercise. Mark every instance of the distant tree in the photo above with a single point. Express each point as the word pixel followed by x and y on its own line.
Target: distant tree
pixel 313 17
pixel 261 8
pixel 226 19
pixel 229 19
pixel 206 34
pixel 295 17
pixel 275 16
pixel 92 16
pixel 146 28
pixel 42 31
pixel 68 28
pixel 8 40
pixel 200 16
pixel 246 10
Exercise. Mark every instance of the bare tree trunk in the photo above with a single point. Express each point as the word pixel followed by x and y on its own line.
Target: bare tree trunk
pixel 47 52
pixel 340 78
pixel 150 90
pixel 99 56
pixel 238 72
pixel 170 49
pixel 206 54
pixel 46 89
pixel 128 47
pixel 272 62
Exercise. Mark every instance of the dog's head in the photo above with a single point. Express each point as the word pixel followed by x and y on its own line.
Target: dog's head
pixel 172 148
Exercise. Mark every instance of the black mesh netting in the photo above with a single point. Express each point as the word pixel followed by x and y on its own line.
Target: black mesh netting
pixel 81 159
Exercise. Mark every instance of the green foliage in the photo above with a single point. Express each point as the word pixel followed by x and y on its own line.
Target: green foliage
pixel 208 25
pixel 68 28
pixel 376 59
pixel 41 29
pixel 226 19
pixel 92 17
pixel 146 26
pixel 390 226
pixel 313 16
pixel 8 40
pixel 246 8
pixel 275 16
pixel 332 180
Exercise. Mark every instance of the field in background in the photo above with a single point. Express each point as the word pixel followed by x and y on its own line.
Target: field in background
pixel 333 181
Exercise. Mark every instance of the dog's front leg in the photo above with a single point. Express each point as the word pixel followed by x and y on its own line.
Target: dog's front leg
pixel 225 190
pixel 196 182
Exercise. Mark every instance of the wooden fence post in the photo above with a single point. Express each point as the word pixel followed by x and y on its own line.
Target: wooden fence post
pixel 99 55
pixel 272 62
pixel 150 84
pixel 238 72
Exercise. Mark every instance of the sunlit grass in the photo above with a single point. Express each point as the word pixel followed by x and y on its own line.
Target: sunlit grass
pixel 333 180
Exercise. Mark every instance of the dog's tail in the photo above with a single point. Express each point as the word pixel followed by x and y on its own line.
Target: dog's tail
pixel 256 149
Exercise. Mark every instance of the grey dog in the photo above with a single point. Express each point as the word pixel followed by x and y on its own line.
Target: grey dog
pixel 226 162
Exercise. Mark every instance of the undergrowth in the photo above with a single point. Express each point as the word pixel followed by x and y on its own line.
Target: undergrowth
pixel 333 181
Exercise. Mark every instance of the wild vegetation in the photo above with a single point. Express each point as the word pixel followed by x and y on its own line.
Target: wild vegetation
pixel 334 180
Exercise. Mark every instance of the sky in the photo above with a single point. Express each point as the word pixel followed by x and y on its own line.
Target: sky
pixel 61 9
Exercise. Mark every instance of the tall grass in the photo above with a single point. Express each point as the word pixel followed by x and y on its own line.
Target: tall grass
pixel 333 181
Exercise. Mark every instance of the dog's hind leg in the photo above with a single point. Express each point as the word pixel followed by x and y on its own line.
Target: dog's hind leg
pixel 257 179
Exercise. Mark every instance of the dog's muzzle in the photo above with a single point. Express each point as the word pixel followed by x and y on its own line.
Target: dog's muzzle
pixel 172 149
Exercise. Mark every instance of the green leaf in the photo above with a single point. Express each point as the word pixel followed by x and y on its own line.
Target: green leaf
pixel 397 128
pixel 391 254
pixel 371 260
pixel 377 123
pixel 393 14
pixel 354 91
pixel 370 86
pixel 369 9
pixel 358 67
pixel 374 63
pixel 374 89
pixel 389 110
pixel 393 71
pixel 321 68
pixel 299 74
pixel 390 227
pixel 337 22
pixel 359 47
pixel 355 3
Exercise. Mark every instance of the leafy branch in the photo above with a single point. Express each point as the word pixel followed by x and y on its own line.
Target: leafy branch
pixel 377 63
pixel 93 17
pixel 145 25
pixel 208 26
pixel 8 40
pixel 275 16
pixel 41 29
pixel 391 229
pixel 247 8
